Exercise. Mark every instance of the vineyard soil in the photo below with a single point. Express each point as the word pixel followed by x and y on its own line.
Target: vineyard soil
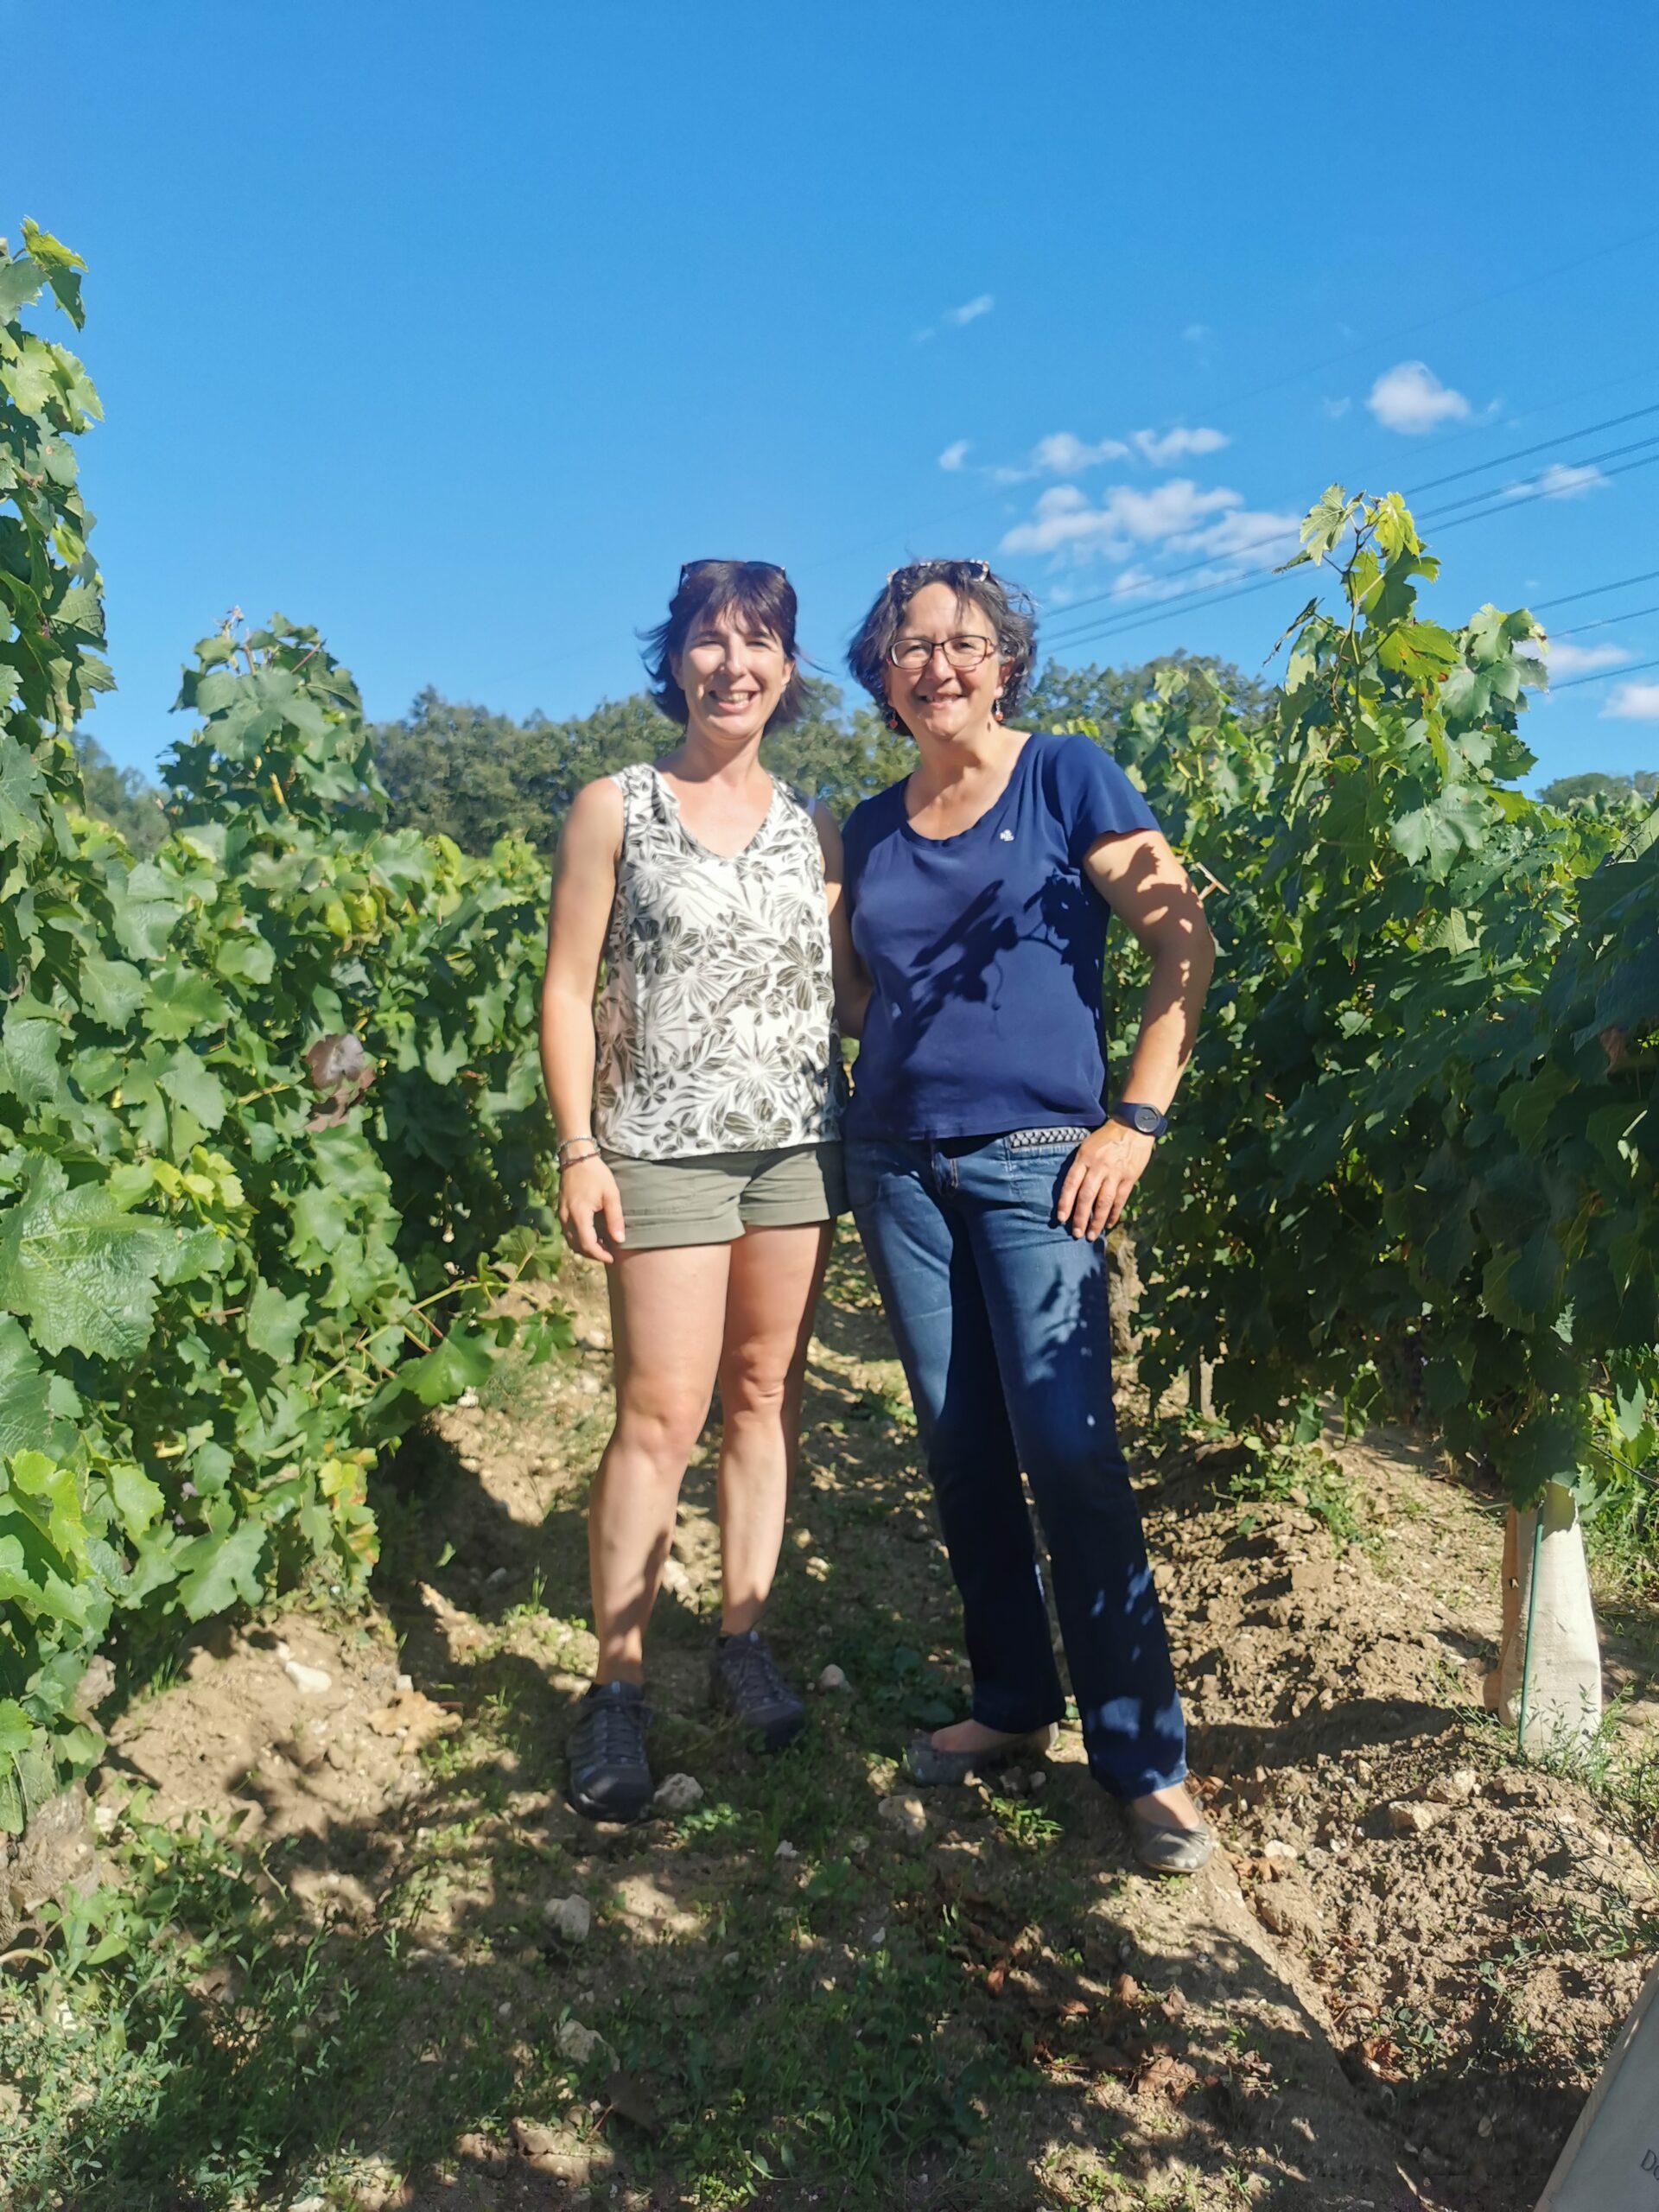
pixel 1395 1987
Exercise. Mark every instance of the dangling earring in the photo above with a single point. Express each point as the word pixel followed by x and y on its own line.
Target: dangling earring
pixel 892 720
pixel 997 708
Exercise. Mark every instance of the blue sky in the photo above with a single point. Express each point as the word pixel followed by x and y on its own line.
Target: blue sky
pixel 456 330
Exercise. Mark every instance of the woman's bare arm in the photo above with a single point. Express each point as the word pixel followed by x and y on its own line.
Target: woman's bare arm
pixel 852 984
pixel 579 914
pixel 1146 887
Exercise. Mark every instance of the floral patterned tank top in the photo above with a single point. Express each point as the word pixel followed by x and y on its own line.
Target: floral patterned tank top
pixel 716 1026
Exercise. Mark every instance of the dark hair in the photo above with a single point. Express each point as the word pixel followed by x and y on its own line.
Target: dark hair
pixel 758 593
pixel 1011 613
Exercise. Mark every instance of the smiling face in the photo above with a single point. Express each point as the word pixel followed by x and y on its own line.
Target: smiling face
pixel 934 699
pixel 733 674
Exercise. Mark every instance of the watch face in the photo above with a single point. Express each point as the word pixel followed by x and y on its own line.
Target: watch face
pixel 1146 1119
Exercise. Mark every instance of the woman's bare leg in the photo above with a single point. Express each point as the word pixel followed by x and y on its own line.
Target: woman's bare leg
pixel 667 1315
pixel 770 1298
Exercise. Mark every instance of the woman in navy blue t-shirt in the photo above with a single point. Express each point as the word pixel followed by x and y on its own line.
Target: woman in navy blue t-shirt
pixel 984 1168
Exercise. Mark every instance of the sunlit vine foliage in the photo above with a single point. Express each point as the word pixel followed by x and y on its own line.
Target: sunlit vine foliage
pixel 1414 1166
pixel 271 1135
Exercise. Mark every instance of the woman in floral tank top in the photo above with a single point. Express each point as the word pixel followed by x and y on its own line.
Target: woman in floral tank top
pixel 699 1112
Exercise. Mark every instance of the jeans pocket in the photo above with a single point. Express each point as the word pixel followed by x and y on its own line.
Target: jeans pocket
pixel 869 1164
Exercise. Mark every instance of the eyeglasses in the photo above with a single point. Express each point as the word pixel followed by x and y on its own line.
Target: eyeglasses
pixel 963 652
pixel 690 568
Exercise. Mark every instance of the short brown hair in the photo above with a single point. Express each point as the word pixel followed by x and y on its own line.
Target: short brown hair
pixel 758 593
pixel 1011 613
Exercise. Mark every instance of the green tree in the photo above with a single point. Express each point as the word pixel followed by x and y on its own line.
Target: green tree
pixel 123 797
pixel 1108 696
pixel 1593 783
pixel 464 773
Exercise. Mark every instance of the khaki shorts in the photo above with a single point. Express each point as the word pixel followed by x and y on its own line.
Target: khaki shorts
pixel 714 1198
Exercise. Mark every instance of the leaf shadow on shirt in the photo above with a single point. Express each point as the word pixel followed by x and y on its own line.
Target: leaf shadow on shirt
pixel 960 964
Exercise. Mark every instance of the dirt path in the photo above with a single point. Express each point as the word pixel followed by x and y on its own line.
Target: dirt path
pixel 1394 1987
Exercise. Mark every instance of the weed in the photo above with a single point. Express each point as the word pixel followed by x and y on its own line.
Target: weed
pixel 1024 1823
pixel 1300 1475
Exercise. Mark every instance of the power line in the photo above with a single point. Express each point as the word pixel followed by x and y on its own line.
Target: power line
pixel 1304 369
pixel 1585 461
pixel 1598 591
pixel 1523 452
pixel 1603 675
pixel 1206 597
pixel 1630 614
pixel 1272 537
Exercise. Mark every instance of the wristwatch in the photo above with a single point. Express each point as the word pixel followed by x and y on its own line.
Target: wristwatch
pixel 1147 1119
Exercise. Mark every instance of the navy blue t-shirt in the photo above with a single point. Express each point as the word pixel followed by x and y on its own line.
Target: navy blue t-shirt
pixel 985 951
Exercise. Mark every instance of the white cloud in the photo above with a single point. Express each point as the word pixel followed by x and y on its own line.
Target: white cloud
pixel 1584 660
pixel 1174 517
pixel 1161 448
pixel 1195 333
pixel 1063 455
pixel 1560 480
pixel 1632 702
pixel 1336 409
pixel 954 455
pixel 972 311
pixel 1410 397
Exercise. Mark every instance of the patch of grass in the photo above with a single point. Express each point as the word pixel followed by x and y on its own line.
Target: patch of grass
pixel 193 2041
pixel 1303 1476
pixel 1623 1772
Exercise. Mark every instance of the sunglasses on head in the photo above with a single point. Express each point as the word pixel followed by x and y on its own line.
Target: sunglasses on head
pixel 689 569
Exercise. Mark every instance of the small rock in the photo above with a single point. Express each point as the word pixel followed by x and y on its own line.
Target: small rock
pixel 833 1678
pixel 1454 1788
pixel 467 1399
pixel 675 1580
pixel 497 1574
pixel 404 1682
pixel 1275 1848
pixel 1126 1989
pixel 818 1568
pixel 857 1846
pixel 908 1816
pixel 678 1794
pixel 732 1959
pixel 106 1818
pixel 1409 1816
pixel 575 2041
pixel 1013 1782
pixel 785 1851
pixel 310 1682
pixel 878 1937
pixel 570 1918
pixel 1484 2127
pixel 1036 1778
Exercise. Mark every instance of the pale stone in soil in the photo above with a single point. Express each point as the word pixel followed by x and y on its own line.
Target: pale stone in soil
pixel 571 1918
pixel 908 1814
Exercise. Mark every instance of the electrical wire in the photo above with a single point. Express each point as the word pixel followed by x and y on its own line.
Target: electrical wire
pixel 1630 614
pixel 1276 536
pixel 1523 452
pixel 1206 597
pixel 1303 369
pixel 1604 675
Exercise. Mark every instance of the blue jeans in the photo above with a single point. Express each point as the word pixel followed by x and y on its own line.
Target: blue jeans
pixel 1001 1321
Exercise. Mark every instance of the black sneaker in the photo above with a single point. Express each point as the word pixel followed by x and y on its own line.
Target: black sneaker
pixel 747 1682
pixel 610 1778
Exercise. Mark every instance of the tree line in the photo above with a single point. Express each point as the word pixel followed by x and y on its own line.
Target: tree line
pixel 461 771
